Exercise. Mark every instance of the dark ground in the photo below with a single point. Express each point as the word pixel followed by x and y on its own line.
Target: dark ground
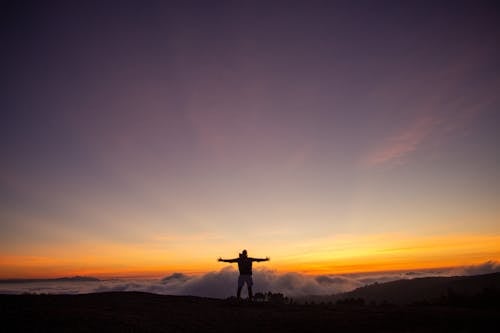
pixel 142 312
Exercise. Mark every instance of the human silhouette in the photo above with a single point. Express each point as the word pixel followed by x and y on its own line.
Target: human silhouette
pixel 245 268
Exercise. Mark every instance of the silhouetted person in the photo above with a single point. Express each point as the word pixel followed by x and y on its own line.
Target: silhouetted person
pixel 245 268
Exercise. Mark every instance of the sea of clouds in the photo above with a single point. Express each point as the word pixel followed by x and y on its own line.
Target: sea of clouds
pixel 222 284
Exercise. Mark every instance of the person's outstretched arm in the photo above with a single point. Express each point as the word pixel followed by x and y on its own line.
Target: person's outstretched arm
pixel 227 260
pixel 261 259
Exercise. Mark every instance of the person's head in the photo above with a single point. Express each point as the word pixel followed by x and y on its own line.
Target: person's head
pixel 244 253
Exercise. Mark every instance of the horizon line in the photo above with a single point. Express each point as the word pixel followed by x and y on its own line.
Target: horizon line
pixel 105 276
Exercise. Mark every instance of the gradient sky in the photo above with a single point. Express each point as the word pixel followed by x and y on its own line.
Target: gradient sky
pixel 150 137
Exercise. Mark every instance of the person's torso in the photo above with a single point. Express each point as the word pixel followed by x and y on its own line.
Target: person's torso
pixel 245 266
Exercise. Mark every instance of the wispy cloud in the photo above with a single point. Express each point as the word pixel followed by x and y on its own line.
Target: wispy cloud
pixel 436 103
pixel 402 143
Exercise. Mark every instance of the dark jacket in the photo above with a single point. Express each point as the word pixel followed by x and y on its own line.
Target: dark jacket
pixel 245 265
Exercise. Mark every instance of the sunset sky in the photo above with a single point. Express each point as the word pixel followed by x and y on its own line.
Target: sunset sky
pixel 151 137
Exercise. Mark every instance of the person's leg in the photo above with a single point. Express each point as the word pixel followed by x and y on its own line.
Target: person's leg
pixel 249 285
pixel 240 285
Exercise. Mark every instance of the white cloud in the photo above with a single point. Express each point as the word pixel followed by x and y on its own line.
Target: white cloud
pixel 223 283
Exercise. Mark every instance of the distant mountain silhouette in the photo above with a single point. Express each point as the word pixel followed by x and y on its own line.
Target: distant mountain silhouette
pixel 174 277
pixel 61 279
pixel 428 289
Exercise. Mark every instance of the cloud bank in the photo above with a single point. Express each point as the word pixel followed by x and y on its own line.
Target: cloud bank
pixel 222 284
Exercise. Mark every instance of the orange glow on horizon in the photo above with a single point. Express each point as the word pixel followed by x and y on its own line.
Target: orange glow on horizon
pixel 336 255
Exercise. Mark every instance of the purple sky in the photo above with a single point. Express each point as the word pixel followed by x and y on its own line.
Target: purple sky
pixel 246 119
